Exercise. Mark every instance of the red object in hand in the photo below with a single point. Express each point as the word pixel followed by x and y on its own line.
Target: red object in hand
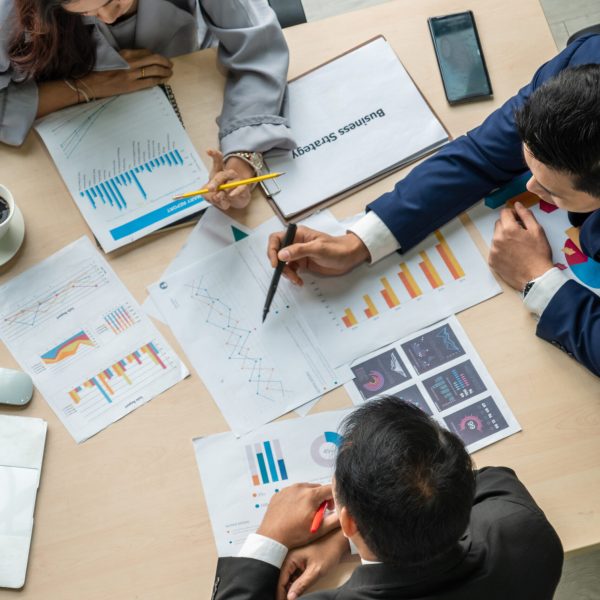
pixel 318 518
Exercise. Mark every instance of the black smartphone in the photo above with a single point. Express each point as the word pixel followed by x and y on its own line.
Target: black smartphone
pixel 460 58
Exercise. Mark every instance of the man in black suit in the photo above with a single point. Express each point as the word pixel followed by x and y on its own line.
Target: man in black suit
pixel 426 525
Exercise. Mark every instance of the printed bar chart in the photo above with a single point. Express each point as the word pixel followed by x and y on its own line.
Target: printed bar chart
pixel 120 319
pixel 139 366
pixel 266 463
pixel 448 257
pixel 109 192
pixel 349 319
pixel 430 271
pixel 371 310
pixel 412 287
pixel 388 293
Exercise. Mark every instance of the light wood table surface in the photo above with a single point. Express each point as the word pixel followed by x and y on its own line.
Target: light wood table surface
pixel 122 516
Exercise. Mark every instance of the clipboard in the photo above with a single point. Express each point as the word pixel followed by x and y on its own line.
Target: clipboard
pixel 299 100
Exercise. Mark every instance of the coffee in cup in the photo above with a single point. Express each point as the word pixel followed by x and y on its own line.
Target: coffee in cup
pixel 4 209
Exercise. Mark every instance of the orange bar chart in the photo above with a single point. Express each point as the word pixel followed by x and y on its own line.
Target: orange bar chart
pixel 412 287
pixel 430 272
pixel 371 310
pixel 349 319
pixel 448 257
pixel 388 293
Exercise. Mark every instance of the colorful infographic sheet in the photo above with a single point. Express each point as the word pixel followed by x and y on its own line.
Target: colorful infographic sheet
pixel 438 370
pixel 254 467
pixel 374 305
pixel 92 353
pixel 123 159
pixel 255 371
pixel 562 236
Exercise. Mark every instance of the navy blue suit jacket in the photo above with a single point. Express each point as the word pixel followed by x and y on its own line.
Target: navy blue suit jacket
pixel 475 164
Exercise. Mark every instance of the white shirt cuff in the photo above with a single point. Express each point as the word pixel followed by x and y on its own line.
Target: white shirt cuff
pixel 544 289
pixel 376 236
pixel 263 548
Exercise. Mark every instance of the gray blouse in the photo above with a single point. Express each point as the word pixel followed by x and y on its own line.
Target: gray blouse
pixel 251 47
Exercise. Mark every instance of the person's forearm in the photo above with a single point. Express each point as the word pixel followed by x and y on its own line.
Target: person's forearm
pixel 54 95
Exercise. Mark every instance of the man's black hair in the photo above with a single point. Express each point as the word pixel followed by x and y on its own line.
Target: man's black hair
pixel 408 483
pixel 560 124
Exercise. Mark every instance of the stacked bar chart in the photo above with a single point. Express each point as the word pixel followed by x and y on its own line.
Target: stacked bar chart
pixel 121 377
pixel 409 282
pixel 430 272
pixel 388 293
pixel 448 257
pixel 371 310
pixel 266 463
pixel 349 319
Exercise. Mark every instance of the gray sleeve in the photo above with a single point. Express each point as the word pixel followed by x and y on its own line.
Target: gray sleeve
pixel 18 98
pixel 18 107
pixel 254 52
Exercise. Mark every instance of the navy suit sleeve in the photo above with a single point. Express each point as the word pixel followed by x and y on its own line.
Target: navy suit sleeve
pixel 572 322
pixel 471 166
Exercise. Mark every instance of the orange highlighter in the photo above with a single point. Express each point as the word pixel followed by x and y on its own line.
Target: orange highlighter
pixel 318 518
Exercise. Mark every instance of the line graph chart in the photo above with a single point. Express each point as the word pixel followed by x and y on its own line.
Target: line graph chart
pixel 240 344
pixel 55 299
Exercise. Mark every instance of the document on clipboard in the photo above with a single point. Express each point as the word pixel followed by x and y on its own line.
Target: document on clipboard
pixel 355 119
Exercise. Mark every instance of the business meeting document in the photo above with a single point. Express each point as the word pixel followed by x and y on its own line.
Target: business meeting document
pixel 374 305
pixel 254 467
pixel 22 441
pixel 92 353
pixel 355 119
pixel 438 370
pixel 213 232
pixel 255 371
pixel 123 159
pixel 562 236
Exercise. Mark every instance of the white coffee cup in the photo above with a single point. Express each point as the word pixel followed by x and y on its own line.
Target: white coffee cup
pixel 8 198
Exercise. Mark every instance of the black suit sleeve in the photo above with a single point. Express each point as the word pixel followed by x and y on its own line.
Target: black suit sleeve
pixel 245 579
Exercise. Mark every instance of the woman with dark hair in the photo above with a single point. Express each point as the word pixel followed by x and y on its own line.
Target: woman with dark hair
pixel 57 53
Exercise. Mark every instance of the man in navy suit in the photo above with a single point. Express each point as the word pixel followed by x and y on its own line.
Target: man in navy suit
pixel 552 128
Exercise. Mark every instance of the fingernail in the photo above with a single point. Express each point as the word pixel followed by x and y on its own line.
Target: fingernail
pixel 284 255
pixel 292 596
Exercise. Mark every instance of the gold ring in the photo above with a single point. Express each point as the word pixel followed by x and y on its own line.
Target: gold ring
pixel 143 72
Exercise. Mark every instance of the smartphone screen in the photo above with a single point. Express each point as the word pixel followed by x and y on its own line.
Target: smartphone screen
pixel 460 58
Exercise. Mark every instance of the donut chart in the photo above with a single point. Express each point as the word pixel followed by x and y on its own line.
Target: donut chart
pixel 583 267
pixel 323 450
pixel 375 382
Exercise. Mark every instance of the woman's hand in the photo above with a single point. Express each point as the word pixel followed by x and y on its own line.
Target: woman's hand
pixel 220 173
pixel 145 70
pixel 303 566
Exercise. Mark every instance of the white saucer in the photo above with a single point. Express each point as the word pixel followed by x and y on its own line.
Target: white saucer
pixel 13 238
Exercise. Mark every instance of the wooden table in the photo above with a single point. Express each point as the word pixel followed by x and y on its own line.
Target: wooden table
pixel 122 516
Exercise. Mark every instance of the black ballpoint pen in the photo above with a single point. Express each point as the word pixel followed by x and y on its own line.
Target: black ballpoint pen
pixel 287 240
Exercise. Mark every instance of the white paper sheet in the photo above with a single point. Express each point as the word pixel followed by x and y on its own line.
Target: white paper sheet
pixel 123 159
pixel 92 353
pixel 438 370
pixel 562 236
pixel 352 118
pixel 255 371
pixel 22 442
pixel 213 232
pixel 336 307
pixel 292 451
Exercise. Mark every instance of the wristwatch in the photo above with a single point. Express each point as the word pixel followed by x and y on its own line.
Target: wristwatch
pixel 254 159
pixel 527 288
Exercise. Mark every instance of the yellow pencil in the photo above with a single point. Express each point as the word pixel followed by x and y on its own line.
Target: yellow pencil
pixel 227 186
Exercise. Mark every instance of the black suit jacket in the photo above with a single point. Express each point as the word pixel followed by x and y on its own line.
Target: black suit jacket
pixel 509 552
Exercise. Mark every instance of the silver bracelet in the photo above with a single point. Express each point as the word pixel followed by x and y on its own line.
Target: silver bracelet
pixel 254 159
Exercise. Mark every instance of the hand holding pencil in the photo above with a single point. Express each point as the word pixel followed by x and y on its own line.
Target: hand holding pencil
pixel 230 184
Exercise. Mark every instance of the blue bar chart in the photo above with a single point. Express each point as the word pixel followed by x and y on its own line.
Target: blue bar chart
pixel 266 463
